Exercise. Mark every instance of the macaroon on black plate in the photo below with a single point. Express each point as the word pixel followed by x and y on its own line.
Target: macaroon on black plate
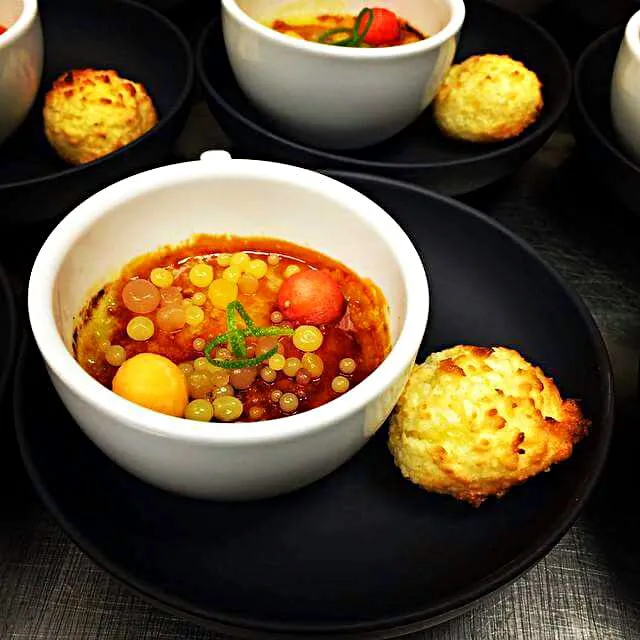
pixel 141 45
pixel 419 154
pixel 362 553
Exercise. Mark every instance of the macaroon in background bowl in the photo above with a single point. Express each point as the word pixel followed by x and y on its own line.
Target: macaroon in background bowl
pixel 141 45
pixel 339 97
pixel 21 54
pixel 244 198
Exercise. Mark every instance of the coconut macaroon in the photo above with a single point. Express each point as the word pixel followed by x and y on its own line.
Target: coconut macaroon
pixel 488 98
pixel 89 113
pixel 472 422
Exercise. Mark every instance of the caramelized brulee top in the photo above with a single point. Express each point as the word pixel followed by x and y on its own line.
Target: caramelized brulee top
pixel 370 28
pixel 233 329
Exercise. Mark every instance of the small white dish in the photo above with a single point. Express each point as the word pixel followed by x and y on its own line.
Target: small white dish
pixel 21 59
pixel 339 97
pixel 247 198
pixel 625 89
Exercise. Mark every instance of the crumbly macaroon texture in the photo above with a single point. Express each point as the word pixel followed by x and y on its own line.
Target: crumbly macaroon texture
pixel 90 113
pixel 488 98
pixel 473 422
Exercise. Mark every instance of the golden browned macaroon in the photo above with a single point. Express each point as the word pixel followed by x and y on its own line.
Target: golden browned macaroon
pixel 472 422
pixel 488 98
pixel 89 113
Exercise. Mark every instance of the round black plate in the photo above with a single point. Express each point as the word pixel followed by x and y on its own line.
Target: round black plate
pixel 606 159
pixel 8 331
pixel 420 153
pixel 362 553
pixel 141 45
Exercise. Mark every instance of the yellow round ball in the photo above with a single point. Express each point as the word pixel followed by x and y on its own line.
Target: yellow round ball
pixel 152 381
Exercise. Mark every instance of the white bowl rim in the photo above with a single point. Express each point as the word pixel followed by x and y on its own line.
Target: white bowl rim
pixel 406 50
pixel 22 24
pixel 69 371
pixel 632 34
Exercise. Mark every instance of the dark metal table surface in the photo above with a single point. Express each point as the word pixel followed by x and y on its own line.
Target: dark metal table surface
pixel 587 588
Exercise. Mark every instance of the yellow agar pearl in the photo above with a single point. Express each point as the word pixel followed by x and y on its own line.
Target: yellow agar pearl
pixel 201 364
pixel 248 284
pixel 276 394
pixel 268 374
pixel 291 270
pixel 224 259
pixel 257 268
pixel 220 376
pixel 256 413
pixel 186 368
pixel 222 292
pixel 347 365
pixel 140 328
pixel 201 275
pixel 199 298
pixel 273 259
pixel 307 338
pixel 162 278
pixel 200 410
pixel 115 355
pixel 223 390
pixel 232 274
pixel 199 344
pixel 291 367
pixel 193 315
pixel 227 408
pixel 277 317
pixel 277 362
pixel 340 384
pixel 313 364
pixel 199 384
pixel 223 354
pixel 240 260
pixel 289 402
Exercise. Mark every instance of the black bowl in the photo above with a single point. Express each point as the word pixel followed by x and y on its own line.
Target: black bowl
pixel 361 553
pixel 604 155
pixel 141 45
pixel 420 153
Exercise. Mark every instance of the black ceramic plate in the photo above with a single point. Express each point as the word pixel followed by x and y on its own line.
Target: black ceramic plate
pixel 8 331
pixel 362 553
pixel 141 45
pixel 420 153
pixel 605 157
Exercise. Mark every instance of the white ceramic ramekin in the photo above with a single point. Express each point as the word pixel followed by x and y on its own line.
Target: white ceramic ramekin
pixel 246 198
pixel 625 89
pixel 21 58
pixel 339 97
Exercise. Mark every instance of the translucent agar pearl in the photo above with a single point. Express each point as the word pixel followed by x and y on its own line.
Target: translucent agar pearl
pixel 140 296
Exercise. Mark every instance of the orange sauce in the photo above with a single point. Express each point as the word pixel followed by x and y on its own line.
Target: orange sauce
pixel 312 30
pixel 361 334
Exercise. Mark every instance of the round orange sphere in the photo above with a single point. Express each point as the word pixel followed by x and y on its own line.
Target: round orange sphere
pixel 152 381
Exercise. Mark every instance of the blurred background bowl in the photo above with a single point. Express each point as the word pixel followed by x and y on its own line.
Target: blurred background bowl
pixel 140 44
pixel 600 148
pixel 20 61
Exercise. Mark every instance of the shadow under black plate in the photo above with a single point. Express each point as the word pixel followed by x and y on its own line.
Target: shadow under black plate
pixel 420 153
pixel 362 553
pixel 8 331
